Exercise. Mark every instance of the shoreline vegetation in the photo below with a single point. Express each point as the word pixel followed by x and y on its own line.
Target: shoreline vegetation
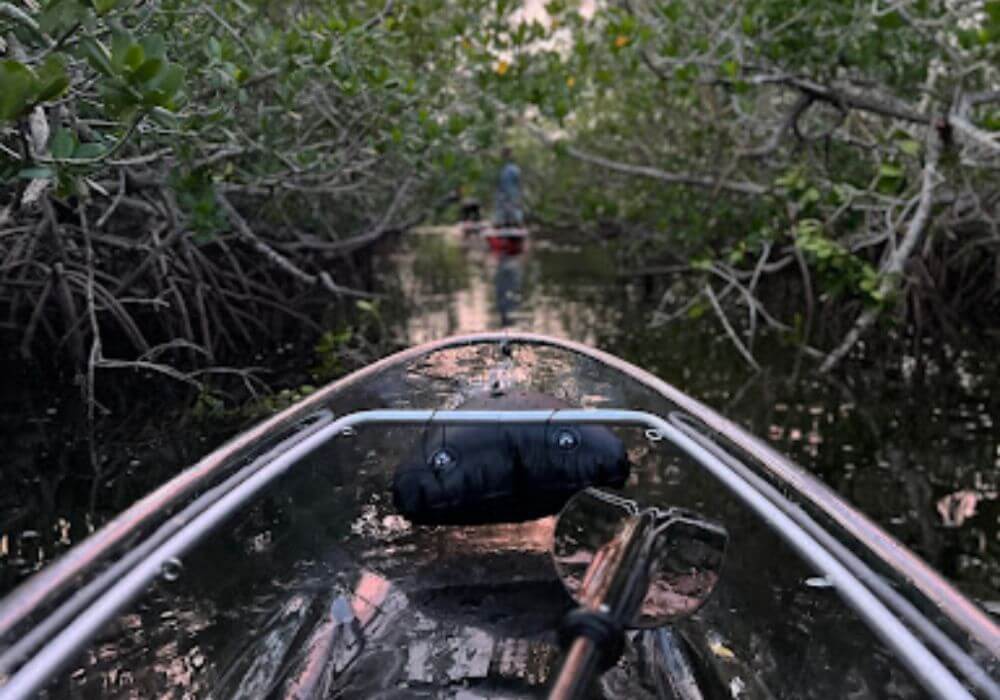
pixel 179 181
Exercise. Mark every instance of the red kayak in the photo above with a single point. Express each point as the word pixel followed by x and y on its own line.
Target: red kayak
pixel 507 239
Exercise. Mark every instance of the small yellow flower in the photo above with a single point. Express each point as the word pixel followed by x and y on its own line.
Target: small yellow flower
pixel 570 81
pixel 502 68
pixel 621 41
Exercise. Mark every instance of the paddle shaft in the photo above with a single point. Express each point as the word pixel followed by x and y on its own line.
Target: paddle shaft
pixel 613 589
pixel 577 672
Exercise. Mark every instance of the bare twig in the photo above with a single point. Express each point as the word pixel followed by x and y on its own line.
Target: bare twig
pixel 733 336
pixel 892 269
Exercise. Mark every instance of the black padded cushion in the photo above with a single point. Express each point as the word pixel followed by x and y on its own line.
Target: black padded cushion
pixel 464 475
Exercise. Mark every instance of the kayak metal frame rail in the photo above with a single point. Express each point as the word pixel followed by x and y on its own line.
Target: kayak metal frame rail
pixel 212 508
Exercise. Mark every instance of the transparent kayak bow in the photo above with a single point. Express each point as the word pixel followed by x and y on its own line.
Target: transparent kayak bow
pixel 72 625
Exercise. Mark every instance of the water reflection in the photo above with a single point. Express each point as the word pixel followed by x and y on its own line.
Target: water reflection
pixel 453 283
pixel 507 282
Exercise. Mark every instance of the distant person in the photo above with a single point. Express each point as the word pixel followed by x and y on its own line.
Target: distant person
pixel 508 204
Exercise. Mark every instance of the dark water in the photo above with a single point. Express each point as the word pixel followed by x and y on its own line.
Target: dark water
pixel 911 442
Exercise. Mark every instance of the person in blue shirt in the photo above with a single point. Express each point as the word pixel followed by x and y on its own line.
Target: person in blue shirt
pixel 508 203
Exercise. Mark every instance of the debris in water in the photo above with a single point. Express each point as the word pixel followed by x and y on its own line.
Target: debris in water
pixel 819 582
pixel 957 507
pixel 721 650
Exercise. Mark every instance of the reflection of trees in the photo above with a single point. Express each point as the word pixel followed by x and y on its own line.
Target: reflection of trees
pixel 55 492
pixel 439 264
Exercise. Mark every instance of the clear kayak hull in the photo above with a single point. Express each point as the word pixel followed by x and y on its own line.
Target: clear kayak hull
pixel 316 587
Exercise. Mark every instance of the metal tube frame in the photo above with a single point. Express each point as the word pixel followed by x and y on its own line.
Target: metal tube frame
pixel 929 671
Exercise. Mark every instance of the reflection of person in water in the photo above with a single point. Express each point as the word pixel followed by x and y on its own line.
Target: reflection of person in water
pixel 508 287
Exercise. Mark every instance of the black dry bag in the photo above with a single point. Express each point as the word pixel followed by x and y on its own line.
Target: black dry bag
pixel 464 475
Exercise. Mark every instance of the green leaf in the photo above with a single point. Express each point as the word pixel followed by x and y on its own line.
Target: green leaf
pixel 89 151
pixel 163 118
pixel 214 48
pixel 17 89
pixel 103 7
pixel 910 147
pixel 97 56
pixel 121 42
pixel 52 78
pixel 61 15
pixel 890 171
pixel 135 56
pixel 119 101
pixel 160 92
pixel 890 20
pixel 149 70
pixel 673 11
pixel 323 52
pixel 153 46
pixel 36 173
pixel 62 144
pixel 170 80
